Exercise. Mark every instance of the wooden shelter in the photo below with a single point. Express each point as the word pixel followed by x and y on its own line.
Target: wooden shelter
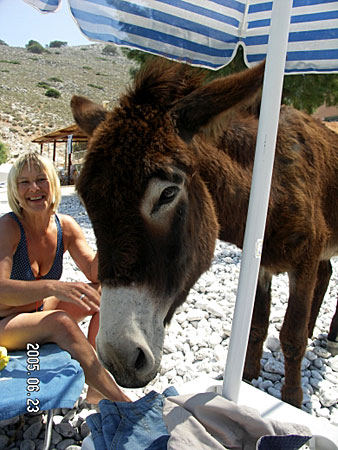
pixel 68 136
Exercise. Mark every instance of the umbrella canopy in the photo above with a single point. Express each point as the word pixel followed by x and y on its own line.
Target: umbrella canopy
pixel 207 32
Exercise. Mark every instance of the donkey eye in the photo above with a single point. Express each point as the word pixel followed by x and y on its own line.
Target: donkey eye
pixel 168 195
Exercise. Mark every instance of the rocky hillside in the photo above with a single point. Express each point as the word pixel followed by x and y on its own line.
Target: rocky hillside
pixel 26 112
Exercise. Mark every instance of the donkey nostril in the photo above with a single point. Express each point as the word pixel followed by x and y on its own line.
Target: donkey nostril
pixel 141 360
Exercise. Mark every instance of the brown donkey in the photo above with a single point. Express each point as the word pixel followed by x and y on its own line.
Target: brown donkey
pixel 167 172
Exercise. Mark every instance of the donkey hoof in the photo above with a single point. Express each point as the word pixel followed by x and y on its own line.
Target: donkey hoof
pixel 332 347
pixel 292 395
pixel 251 371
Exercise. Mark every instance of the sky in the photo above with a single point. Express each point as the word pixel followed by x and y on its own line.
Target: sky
pixel 20 23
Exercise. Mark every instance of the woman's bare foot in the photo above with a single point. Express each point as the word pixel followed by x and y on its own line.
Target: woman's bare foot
pixel 93 396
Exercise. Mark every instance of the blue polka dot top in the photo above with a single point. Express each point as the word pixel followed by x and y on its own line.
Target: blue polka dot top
pixel 21 269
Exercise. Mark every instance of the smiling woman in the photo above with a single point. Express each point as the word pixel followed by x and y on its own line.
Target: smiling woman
pixel 33 175
pixel 35 306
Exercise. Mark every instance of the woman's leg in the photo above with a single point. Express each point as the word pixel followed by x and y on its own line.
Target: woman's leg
pixel 93 396
pixel 78 314
pixel 60 328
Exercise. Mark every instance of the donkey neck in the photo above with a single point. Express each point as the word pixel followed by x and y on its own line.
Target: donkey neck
pixel 228 182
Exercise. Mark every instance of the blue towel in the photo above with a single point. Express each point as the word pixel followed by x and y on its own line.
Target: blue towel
pixel 131 426
pixel 39 379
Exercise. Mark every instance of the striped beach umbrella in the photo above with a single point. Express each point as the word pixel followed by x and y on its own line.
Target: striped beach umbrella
pixel 295 36
pixel 207 33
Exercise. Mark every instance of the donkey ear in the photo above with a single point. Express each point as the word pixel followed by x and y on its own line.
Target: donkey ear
pixel 203 104
pixel 87 114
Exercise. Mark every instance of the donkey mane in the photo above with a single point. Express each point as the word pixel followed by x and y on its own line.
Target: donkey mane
pixel 163 83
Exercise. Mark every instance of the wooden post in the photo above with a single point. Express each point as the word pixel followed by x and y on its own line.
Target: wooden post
pixel 66 156
pixel 69 165
pixel 69 152
pixel 54 151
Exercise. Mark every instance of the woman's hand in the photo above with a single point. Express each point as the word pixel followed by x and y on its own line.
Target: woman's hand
pixel 81 294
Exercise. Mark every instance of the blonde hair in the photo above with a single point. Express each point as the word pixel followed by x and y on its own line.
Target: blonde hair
pixel 32 158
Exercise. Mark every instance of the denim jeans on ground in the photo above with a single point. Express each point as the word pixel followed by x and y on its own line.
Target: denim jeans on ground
pixel 131 426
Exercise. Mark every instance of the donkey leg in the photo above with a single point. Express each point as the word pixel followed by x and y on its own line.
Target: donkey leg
pixel 323 279
pixel 332 338
pixel 294 332
pixel 259 326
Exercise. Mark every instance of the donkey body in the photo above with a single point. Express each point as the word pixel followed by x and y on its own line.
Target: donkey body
pixel 167 172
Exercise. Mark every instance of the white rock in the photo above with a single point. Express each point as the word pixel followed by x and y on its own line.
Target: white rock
pixel 202 354
pixel 323 412
pixel 274 366
pixel 167 365
pixel 216 324
pixel 220 353
pixel 310 355
pixel 316 374
pixel 321 352
pixel 276 393
pixel 171 374
pixel 215 309
pixel 181 317
pixel 84 413
pixel 169 346
pixel 57 419
pixel 271 376
pixel 214 339
pixel 201 303
pixel 334 417
pixel 195 314
pixel 328 396
pixel 272 343
pixel 315 382
pixel 333 363
pixel 264 385
pixel 318 363
pixel 305 364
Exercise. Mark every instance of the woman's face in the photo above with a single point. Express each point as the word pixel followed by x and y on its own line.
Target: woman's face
pixel 34 189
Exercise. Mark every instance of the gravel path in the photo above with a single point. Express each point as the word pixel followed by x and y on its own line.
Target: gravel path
pixel 196 344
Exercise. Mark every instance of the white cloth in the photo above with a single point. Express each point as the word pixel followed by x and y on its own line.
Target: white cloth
pixel 209 421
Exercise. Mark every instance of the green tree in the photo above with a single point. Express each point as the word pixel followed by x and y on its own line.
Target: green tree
pixel 43 84
pixel 79 146
pixel 109 50
pixel 236 65
pixel 139 57
pixel 3 153
pixel 304 92
pixel 35 47
pixel 308 92
pixel 51 92
pixel 57 44
pixel 3 42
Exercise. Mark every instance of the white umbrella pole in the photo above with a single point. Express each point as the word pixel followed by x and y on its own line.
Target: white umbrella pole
pixel 259 196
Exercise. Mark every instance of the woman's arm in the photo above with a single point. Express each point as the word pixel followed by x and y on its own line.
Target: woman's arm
pixel 11 294
pixel 75 242
pixel 20 293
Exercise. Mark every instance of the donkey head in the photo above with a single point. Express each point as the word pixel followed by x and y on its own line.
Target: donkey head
pixel 153 216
